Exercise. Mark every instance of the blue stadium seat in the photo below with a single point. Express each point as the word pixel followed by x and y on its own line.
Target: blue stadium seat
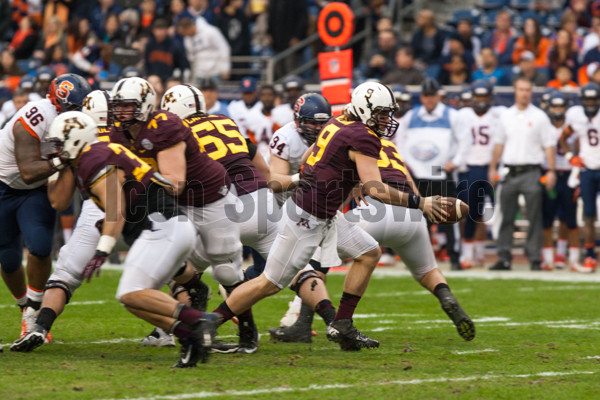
pixel 492 4
pixel 29 66
pixel 553 19
pixel 509 72
pixel 433 71
pixel 519 18
pixel 488 19
pixel 472 15
pixel 520 4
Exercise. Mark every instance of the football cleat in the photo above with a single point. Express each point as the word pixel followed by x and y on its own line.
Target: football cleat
pixel 224 347
pixel 589 263
pixel 31 341
pixel 158 338
pixel 386 260
pixel 28 320
pixel 197 347
pixel 248 338
pixel 464 324
pixel 300 332
pixel 467 264
pixel 291 315
pixel 501 266
pixel 547 266
pixel 344 332
pixel 291 334
pixel 588 266
pixel 190 354
pixel 559 261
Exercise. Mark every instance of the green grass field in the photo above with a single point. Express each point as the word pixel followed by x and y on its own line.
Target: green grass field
pixel 535 340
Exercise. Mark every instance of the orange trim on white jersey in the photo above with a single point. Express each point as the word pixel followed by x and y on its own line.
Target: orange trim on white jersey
pixel 28 128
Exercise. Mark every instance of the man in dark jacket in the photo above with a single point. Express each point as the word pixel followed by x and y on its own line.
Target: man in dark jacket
pixel 404 73
pixel 428 40
pixel 288 24
pixel 233 24
pixel 163 55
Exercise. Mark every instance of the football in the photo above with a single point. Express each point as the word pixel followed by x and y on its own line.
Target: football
pixel 456 210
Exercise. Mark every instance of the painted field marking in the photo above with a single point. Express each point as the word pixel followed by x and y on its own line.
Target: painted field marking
pixel 311 388
pixel 474 351
pixel 421 292
pixel 556 276
pixel 75 303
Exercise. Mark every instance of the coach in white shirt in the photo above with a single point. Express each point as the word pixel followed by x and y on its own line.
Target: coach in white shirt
pixel 523 139
pixel 430 141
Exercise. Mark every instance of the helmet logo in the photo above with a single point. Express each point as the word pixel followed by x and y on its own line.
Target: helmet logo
pixel 368 95
pixel 64 90
pixel 145 90
pixel 169 98
pixel 71 123
pixel 299 103
pixel 87 103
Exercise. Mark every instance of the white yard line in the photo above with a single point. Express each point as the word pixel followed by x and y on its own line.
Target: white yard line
pixel 438 323
pixel 421 292
pixel 75 303
pixel 556 276
pixel 127 340
pixel 312 388
pixel 475 351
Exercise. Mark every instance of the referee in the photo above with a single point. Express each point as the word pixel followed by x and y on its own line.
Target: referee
pixel 524 137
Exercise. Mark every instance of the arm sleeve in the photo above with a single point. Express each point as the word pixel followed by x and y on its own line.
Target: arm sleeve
pixel 280 146
pixel 546 132
pixel 368 144
pixel 500 136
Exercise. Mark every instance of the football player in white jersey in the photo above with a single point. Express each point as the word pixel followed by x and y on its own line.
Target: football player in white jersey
pixel 25 211
pixel 288 145
pixel 583 122
pixel 239 108
pixel 480 122
pixel 258 125
pixel 560 202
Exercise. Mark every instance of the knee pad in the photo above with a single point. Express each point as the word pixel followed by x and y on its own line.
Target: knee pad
pixel 59 285
pixel 420 273
pixel 227 274
pixel 40 250
pixel 10 260
pixel 303 277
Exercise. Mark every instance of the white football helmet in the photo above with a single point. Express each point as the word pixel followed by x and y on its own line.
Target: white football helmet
pixel 132 91
pixel 183 101
pixel 95 104
pixel 374 104
pixel 71 132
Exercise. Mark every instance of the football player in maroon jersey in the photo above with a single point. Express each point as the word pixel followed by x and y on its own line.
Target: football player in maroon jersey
pixel 345 154
pixel 136 203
